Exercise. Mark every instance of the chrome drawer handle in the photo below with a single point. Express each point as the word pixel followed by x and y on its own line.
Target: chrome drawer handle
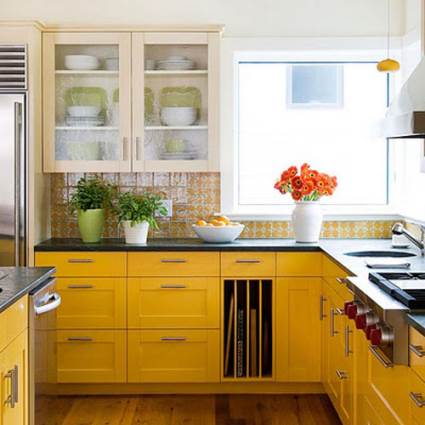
pixel 173 338
pixel 248 261
pixel 332 324
pixel 417 398
pixel 380 357
pixel 173 260
pixel 13 398
pixel 340 311
pixel 417 350
pixel 341 374
pixel 342 281
pixel 80 286
pixel 171 286
pixel 80 260
pixel 347 349
pixel 80 339
pixel 322 314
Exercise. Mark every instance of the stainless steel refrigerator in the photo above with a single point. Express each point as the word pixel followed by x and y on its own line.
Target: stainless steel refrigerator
pixel 13 155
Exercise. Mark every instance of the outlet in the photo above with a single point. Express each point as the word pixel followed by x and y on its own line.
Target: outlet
pixel 168 205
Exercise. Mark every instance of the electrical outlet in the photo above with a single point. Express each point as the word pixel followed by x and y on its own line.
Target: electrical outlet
pixel 168 205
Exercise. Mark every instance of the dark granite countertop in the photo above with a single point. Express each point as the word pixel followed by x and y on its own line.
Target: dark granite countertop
pixel 15 282
pixel 417 320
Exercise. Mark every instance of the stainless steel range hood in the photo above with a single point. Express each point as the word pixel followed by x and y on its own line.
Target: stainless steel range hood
pixel 406 116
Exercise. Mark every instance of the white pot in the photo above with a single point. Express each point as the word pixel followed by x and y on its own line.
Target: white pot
pixel 136 234
pixel 307 221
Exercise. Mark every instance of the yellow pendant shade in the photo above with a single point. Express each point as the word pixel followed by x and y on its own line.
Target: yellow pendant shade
pixel 388 65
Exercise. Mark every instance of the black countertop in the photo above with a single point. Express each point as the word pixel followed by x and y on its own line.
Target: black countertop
pixel 15 282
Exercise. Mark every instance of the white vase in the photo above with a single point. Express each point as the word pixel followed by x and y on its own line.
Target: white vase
pixel 136 234
pixel 307 221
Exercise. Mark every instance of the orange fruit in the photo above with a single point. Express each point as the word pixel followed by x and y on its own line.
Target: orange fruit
pixel 201 223
pixel 223 219
pixel 218 223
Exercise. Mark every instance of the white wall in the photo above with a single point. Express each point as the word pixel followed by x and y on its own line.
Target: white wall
pixel 276 18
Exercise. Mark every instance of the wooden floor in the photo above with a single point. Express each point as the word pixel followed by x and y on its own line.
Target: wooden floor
pixel 188 410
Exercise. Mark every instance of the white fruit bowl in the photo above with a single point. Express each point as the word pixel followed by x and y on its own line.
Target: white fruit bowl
pixel 213 234
pixel 83 111
pixel 81 62
pixel 178 115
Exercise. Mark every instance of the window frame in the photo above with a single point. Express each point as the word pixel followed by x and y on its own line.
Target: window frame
pixel 296 50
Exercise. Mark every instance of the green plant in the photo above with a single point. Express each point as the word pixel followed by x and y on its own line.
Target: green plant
pixel 92 193
pixel 138 208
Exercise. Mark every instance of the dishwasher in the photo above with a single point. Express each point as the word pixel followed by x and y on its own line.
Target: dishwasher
pixel 44 302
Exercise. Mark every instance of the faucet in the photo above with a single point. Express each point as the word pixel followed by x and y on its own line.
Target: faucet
pixel 399 229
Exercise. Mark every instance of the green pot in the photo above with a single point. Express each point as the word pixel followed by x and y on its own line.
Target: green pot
pixel 91 223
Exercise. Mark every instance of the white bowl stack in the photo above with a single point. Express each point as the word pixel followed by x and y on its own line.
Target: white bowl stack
pixel 178 115
pixel 84 116
pixel 81 62
pixel 176 63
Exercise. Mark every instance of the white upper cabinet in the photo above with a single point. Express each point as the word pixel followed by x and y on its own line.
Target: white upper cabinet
pixel 122 101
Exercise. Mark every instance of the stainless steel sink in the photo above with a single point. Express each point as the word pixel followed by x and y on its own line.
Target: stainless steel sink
pixel 380 254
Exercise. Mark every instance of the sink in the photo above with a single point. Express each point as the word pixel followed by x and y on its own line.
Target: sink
pixel 380 254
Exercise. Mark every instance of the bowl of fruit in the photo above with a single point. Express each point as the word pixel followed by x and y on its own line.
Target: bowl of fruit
pixel 219 229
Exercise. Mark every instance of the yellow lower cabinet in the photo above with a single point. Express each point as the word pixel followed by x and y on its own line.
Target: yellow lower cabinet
pixel 417 352
pixel 416 398
pixel 346 378
pixel 92 303
pixel 367 415
pixel 91 356
pixel 298 329
pixel 182 356
pixel 13 321
pixel 186 302
pixel 14 382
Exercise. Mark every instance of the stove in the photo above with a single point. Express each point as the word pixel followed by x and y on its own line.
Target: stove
pixel 406 287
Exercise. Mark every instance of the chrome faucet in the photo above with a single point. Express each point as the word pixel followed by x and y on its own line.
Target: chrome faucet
pixel 399 229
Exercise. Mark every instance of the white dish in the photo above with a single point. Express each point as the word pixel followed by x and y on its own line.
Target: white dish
pixel 179 155
pixel 176 65
pixel 178 115
pixel 81 62
pixel 111 64
pixel 212 234
pixel 83 111
pixel 177 58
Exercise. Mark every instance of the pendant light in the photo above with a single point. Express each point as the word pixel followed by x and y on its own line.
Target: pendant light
pixel 388 65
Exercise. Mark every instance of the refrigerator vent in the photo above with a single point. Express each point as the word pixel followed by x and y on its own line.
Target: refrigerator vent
pixel 13 67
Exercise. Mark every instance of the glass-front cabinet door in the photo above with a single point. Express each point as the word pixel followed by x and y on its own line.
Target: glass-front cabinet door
pixel 87 102
pixel 175 101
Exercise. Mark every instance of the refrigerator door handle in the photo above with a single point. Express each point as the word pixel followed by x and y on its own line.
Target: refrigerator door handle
pixel 18 183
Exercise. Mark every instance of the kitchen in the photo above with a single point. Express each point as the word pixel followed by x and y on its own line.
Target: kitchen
pixel 182 236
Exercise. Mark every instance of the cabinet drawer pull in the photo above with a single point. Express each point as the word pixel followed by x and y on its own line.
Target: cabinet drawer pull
pixel 417 350
pixel 347 349
pixel 173 338
pixel 82 286
pixel 417 398
pixel 80 339
pixel 80 260
pixel 322 302
pixel 340 311
pixel 342 281
pixel 248 261
pixel 172 286
pixel 173 260
pixel 13 398
pixel 341 374
pixel 380 357
pixel 332 324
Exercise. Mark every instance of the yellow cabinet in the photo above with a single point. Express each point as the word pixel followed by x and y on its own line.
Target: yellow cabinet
pixel 248 264
pixel 13 321
pixel 173 264
pixel 92 303
pixel 298 350
pixel 187 302
pixel 417 352
pixel 84 264
pixel 182 356
pixel 14 382
pixel 91 356
pixel 300 264
pixel 416 398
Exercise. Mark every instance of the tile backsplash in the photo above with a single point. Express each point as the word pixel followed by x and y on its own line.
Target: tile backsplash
pixel 194 195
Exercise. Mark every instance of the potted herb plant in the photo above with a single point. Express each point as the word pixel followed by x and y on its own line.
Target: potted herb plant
pixel 137 213
pixel 91 198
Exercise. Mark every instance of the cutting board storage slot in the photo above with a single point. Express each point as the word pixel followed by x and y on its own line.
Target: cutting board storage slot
pixel 247 329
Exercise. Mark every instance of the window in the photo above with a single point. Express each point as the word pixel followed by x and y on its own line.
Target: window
pixel 323 113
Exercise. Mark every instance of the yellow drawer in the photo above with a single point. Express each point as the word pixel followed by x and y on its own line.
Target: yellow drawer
pixel 87 356
pixel 92 303
pixel 173 264
pixel 299 264
pixel 182 356
pixel 339 286
pixel 13 321
pixel 184 302
pixel 74 264
pixel 248 264
pixel 417 399
pixel 332 269
pixel 417 352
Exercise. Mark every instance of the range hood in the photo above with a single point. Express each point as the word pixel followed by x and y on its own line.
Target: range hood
pixel 405 117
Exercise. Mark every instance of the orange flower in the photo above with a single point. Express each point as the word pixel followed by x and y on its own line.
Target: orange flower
pixel 307 187
pixel 296 195
pixel 305 168
pixel 292 171
pixel 297 182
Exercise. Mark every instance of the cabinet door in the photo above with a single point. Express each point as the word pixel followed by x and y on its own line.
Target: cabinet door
pixel 346 405
pixel 87 102
pixel 298 329
pixel 175 102
pixel 14 382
